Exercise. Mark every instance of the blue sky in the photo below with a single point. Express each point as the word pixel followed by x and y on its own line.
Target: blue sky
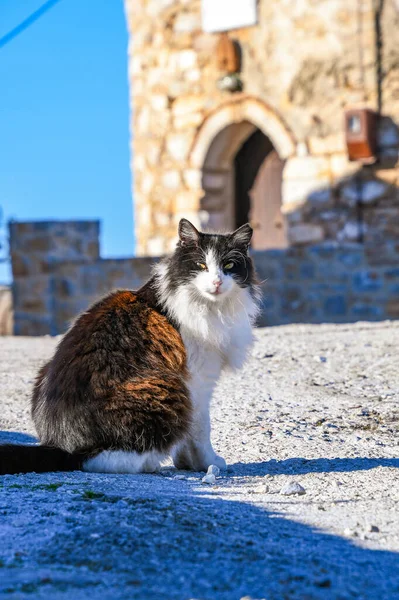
pixel 64 118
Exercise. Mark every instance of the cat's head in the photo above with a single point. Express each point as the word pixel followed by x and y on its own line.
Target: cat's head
pixel 213 266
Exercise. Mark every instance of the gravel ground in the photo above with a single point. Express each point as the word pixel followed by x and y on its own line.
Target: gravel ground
pixel 316 406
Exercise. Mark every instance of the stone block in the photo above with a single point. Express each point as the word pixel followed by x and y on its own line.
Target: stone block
pixel 187 22
pixel 186 59
pixel 156 246
pixel 387 134
pixel 341 166
pixel 367 281
pixel 147 183
pixel 269 271
pixel 192 179
pixel 32 294
pixel 188 121
pixel 307 270
pixel 65 288
pixel 26 325
pixel 309 167
pixel 350 257
pixel 305 233
pixel 392 309
pixel 366 192
pixel 329 144
pixel 155 8
pixel 159 102
pixel 178 146
pixel 41 244
pixel 351 232
pixel 390 176
pixel 296 192
pixel 21 265
pixel 186 201
pixel 367 312
pixel 187 105
pixel 192 75
pixel 336 306
pixel 293 302
pixel 93 250
pixel 206 43
pixel 392 273
pixel 324 252
pixel 171 180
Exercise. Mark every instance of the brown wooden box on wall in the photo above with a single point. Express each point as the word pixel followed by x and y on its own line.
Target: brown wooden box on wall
pixel 361 134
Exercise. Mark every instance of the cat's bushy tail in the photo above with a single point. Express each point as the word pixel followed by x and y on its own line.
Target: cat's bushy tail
pixel 16 458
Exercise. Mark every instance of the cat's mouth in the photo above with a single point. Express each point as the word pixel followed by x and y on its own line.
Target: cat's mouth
pixel 217 293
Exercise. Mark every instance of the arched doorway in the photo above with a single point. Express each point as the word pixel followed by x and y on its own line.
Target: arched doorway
pixel 242 181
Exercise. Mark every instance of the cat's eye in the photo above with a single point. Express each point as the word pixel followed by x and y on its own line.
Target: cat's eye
pixel 228 266
pixel 201 266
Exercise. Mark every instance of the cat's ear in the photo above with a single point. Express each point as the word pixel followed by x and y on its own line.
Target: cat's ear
pixel 242 236
pixel 188 234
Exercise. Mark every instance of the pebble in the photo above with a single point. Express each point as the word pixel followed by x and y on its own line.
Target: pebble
pixel 292 488
pixel 209 478
pixel 259 489
pixel 179 477
pixel 213 470
pixel 373 529
pixel 350 532
pixel 321 359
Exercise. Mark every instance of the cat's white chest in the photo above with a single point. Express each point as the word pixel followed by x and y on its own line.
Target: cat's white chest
pixel 227 346
pixel 203 360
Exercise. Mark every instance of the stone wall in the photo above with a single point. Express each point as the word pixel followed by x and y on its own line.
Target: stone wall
pixel 301 66
pixel 35 249
pixel 58 273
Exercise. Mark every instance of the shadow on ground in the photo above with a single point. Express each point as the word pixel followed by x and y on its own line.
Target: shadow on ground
pixel 301 466
pixel 80 535
pixel 15 437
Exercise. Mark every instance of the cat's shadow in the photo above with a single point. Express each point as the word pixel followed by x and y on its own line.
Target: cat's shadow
pixel 301 466
pixel 16 437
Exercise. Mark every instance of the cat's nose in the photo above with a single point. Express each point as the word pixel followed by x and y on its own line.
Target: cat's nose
pixel 217 283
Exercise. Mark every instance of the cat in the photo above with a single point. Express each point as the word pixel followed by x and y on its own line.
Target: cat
pixel 131 382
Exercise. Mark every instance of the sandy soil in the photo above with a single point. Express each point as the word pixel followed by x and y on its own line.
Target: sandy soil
pixel 316 405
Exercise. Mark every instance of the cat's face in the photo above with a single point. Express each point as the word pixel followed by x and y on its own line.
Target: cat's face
pixel 212 265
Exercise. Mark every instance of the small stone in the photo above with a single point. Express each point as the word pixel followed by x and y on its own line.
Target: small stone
pixel 321 359
pixel 213 470
pixel 292 488
pixel 209 478
pixel 261 489
pixel 350 532
pixel 374 529
pixel 179 477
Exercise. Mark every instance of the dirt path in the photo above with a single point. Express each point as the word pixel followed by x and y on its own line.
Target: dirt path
pixel 316 405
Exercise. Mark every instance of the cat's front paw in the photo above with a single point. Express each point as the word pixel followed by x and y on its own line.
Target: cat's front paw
pixel 193 457
pixel 219 462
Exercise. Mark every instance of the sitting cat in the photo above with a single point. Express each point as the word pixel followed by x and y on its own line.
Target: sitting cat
pixel 131 382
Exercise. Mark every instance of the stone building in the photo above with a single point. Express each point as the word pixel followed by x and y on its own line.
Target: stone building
pixel 273 151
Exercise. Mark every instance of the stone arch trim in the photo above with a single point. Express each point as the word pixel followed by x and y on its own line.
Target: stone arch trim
pixel 245 109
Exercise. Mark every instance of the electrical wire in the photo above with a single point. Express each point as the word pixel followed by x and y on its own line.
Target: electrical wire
pixel 8 37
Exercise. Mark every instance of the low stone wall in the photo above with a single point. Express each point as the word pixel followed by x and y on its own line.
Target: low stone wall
pixel 320 284
pixel 56 280
pixel 36 248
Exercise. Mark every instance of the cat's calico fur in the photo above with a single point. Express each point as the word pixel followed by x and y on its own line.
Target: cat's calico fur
pixel 131 381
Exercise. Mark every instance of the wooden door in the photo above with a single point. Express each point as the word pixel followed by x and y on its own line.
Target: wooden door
pixel 265 213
